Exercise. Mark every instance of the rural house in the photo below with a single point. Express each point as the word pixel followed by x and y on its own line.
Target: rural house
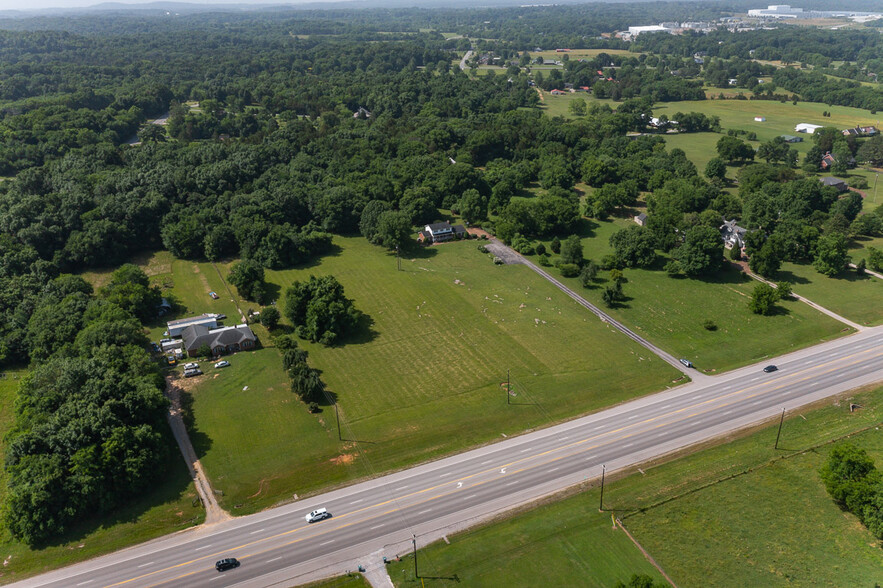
pixel 792 139
pixel 222 340
pixel 440 232
pixel 732 234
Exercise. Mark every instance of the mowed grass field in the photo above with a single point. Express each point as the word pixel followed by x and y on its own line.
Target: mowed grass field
pixel 565 543
pixel 425 381
pixel 724 516
pixel 863 304
pixel 773 526
pixel 169 507
pixel 671 312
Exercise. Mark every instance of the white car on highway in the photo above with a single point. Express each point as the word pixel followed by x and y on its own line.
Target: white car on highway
pixel 317 515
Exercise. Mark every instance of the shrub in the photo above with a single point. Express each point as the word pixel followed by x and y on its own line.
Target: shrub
pixel 568 270
pixel 545 260
pixel 556 245
pixel 540 249
pixel 709 325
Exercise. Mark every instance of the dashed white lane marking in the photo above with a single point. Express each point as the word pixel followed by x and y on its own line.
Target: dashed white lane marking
pixel 666 406
pixel 326 543
pixel 84 583
pixel 663 434
pixel 510 483
pixel 255 532
pixel 627 446
pixel 424 511
pixel 598 427
pixel 377 526
pixel 445 474
pixel 470 496
pixel 145 565
pixel 523 450
pixel 697 397
pixel 553 470
pixel 402 488
pixel 274 559
pixel 486 462
pixel 357 501
pixel 203 547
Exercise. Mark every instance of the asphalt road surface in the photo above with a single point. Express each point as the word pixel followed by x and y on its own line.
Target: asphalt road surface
pixel 278 548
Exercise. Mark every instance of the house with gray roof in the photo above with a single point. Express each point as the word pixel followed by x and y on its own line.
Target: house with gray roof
pixel 220 341
pixel 835 183
pixel 732 234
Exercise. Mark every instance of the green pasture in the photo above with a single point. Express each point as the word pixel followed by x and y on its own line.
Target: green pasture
pixel 424 379
pixel 671 311
pixel 170 507
pixel 724 516
pixel 774 525
pixel 565 543
pixel 855 297
pixel 576 54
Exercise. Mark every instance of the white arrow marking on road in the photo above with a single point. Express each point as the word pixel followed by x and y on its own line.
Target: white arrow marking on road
pixel 503 471
pixel 459 484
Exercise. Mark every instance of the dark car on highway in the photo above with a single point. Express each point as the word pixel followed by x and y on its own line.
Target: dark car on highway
pixel 227 564
pixel 770 368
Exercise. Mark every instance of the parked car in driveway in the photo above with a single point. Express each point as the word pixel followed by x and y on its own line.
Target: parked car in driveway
pixel 226 564
pixel 222 363
pixel 770 368
pixel 686 362
pixel 189 373
pixel 317 515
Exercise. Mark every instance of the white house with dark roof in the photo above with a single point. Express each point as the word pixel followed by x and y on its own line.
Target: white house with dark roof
pixel 440 232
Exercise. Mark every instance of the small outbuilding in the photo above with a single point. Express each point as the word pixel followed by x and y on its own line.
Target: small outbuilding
pixel 792 139
pixel 835 183
pixel 177 327
pixel 807 128
pixel 759 119
pixel 641 219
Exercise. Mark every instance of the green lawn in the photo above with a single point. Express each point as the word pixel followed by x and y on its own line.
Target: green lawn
pixel 724 516
pixel 352 580
pixel 169 507
pixel 566 543
pixel 774 526
pixel 858 298
pixel 424 382
pixel 670 312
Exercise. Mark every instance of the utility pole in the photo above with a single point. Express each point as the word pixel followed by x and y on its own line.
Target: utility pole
pixel 416 575
pixel 781 421
pixel 337 418
pixel 601 504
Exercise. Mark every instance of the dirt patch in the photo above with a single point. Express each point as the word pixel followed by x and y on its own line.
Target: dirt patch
pixel 479 232
pixel 343 459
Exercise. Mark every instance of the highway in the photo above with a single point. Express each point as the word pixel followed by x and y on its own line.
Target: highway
pixel 380 517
